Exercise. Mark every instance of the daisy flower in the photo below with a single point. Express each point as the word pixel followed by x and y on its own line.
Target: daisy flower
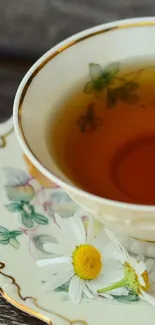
pixel 84 261
pixel 138 276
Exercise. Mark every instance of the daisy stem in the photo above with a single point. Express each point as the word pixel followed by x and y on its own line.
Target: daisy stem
pixel 116 285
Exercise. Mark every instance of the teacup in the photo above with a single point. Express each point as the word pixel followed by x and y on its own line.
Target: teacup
pixel 47 83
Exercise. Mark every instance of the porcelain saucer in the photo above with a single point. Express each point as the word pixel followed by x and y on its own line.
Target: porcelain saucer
pixel 21 243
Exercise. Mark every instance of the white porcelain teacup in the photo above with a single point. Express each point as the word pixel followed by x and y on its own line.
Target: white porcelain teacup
pixel 46 85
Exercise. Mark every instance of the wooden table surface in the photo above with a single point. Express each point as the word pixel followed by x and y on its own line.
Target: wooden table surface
pixel 30 27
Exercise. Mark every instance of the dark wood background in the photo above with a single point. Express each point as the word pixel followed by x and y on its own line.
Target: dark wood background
pixel 30 27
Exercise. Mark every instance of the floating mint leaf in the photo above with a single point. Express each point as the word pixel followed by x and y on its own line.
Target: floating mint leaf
pixel 100 94
pixel 89 122
pixel 111 98
pixel 95 71
pixel 89 87
pixel 128 97
pixel 112 69
pixel 131 86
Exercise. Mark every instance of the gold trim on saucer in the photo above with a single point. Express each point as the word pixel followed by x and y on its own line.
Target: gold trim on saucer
pixel 3 142
pixel 34 300
pixel 60 50
pixel 3 138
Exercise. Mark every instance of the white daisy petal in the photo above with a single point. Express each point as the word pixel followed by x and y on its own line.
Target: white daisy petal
pixel 87 292
pixel 141 267
pixel 110 253
pixel 104 281
pixel 90 230
pixel 58 280
pixel 51 261
pixel 150 299
pixel 78 216
pixel 76 289
pixel 117 244
pixel 92 286
pixel 149 264
pixel 152 277
pixel 71 233
pixel 112 272
pixel 119 292
pixel 55 231
pixel 138 266
pixel 100 240
pixel 66 231
pixel 140 258
pixel 58 268
pixel 107 295
pixel 77 228
pixel 152 287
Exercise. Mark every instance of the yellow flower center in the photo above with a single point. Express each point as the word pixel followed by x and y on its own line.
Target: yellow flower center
pixel 87 262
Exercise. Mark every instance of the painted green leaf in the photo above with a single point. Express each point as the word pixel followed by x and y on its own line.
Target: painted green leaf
pixel 20 193
pixel 4 242
pixel 89 87
pixel 26 219
pixel 39 218
pixel 15 233
pixel 131 297
pixel 2 229
pixel 95 71
pixel 9 237
pixel 14 207
pixel 14 242
pixel 4 236
pixel 112 69
pixel 64 288
pixel 40 240
pixel 111 98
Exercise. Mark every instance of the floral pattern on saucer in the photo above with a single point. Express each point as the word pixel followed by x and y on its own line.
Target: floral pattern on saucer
pixel 21 281
pixel 34 206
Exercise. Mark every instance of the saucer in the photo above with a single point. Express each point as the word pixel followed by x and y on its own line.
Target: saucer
pixel 21 244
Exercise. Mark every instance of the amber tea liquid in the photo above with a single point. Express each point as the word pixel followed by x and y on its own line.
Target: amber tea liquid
pixel 103 137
